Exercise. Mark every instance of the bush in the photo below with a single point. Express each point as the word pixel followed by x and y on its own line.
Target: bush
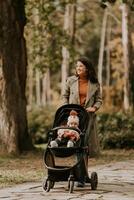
pixel 40 121
pixel 116 130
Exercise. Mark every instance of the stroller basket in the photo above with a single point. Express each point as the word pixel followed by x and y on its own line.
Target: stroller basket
pixel 66 152
pixel 59 173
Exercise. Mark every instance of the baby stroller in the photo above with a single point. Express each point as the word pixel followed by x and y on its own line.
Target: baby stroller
pixel 71 173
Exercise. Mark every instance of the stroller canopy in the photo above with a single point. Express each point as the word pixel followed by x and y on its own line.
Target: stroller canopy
pixel 63 112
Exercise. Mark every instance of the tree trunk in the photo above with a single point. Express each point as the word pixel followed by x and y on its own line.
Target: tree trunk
pixel 46 89
pixel 14 136
pixel 131 60
pixel 107 88
pixel 38 87
pixel 108 37
pixel 125 43
pixel 69 27
pixel 30 84
pixel 102 44
pixel 64 67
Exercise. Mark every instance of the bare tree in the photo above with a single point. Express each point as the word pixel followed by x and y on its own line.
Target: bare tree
pixel 69 28
pixel 108 37
pixel 102 45
pixel 126 64
pixel 46 88
pixel 38 87
pixel 30 83
pixel 107 89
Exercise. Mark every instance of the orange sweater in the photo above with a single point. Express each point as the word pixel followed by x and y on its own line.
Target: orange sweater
pixel 83 86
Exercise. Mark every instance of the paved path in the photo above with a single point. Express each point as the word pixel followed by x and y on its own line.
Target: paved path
pixel 116 182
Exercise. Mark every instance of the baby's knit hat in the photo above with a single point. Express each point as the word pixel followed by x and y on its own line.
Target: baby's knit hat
pixel 73 117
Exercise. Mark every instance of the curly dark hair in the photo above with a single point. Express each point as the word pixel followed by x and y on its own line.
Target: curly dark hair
pixel 91 73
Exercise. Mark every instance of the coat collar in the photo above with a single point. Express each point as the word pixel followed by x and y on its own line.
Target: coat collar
pixel 92 87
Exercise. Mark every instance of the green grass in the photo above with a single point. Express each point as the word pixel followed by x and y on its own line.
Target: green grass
pixel 25 168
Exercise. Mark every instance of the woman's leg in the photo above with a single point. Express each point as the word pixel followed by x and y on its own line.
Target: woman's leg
pixel 91 138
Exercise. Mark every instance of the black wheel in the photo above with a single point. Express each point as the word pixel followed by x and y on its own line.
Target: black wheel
pixel 71 186
pixel 47 185
pixel 94 180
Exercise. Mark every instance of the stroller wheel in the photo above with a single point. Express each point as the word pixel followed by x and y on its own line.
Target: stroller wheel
pixel 47 185
pixel 94 180
pixel 70 186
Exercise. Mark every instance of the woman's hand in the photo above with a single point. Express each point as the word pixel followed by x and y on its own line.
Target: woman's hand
pixel 91 109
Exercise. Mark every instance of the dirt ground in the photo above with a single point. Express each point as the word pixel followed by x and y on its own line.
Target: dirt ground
pixel 116 181
pixel 30 167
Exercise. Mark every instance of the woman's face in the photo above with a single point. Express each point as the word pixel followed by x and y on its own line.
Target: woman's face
pixel 81 69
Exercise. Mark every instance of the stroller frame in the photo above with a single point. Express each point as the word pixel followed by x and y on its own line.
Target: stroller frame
pixel 70 174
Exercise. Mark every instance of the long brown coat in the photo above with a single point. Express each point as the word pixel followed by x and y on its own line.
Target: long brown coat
pixel 94 98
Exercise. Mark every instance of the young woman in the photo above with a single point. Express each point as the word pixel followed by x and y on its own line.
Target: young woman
pixel 83 88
